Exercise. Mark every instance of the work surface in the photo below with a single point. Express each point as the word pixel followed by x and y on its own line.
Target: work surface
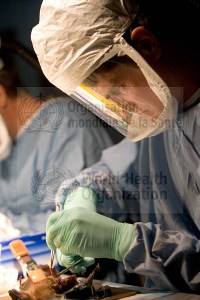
pixel 142 294
pixel 150 295
pixel 178 296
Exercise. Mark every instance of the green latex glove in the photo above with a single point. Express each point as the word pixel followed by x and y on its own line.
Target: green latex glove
pixel 68 260
pixel 81 197
pixel 88 234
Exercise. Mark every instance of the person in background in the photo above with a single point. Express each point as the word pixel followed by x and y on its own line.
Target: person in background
pixel 137 63
pixel 43 141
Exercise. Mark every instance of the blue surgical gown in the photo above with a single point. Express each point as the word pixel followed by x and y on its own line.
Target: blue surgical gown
pixel 155 183
pixel 57 143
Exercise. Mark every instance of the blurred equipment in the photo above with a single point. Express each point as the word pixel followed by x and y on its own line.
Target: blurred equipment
pixel 29 266
pixel 6 228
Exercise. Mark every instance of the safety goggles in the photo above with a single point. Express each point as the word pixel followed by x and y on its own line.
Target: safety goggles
pixel 128 94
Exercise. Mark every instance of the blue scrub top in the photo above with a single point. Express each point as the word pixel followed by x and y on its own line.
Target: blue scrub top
pixel 57 143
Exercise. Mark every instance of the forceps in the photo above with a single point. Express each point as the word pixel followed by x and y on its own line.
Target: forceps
pixel 52 251
pixel 73 265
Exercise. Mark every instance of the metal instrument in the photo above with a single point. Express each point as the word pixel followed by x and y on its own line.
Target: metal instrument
pixel 73 265
pixel 52 256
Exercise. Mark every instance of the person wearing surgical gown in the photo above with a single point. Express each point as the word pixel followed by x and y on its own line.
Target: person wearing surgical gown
pixel 137 64
pixel 43 141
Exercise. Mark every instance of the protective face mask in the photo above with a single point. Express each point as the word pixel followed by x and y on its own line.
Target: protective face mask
pixel 5 141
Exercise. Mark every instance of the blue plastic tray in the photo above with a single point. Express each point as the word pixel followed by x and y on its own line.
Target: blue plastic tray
pixel 36 244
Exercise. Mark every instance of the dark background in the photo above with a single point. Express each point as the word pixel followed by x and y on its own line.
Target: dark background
pixel 17 18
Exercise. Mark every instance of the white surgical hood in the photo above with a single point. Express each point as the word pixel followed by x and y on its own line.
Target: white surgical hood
pixel 75 37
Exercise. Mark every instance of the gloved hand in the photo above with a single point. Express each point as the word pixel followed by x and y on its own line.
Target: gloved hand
pixel 68 260
pixel 81 197
pixel 80 232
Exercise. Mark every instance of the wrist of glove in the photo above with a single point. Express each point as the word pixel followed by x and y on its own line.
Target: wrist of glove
pixel 81 197
pixel 78 231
